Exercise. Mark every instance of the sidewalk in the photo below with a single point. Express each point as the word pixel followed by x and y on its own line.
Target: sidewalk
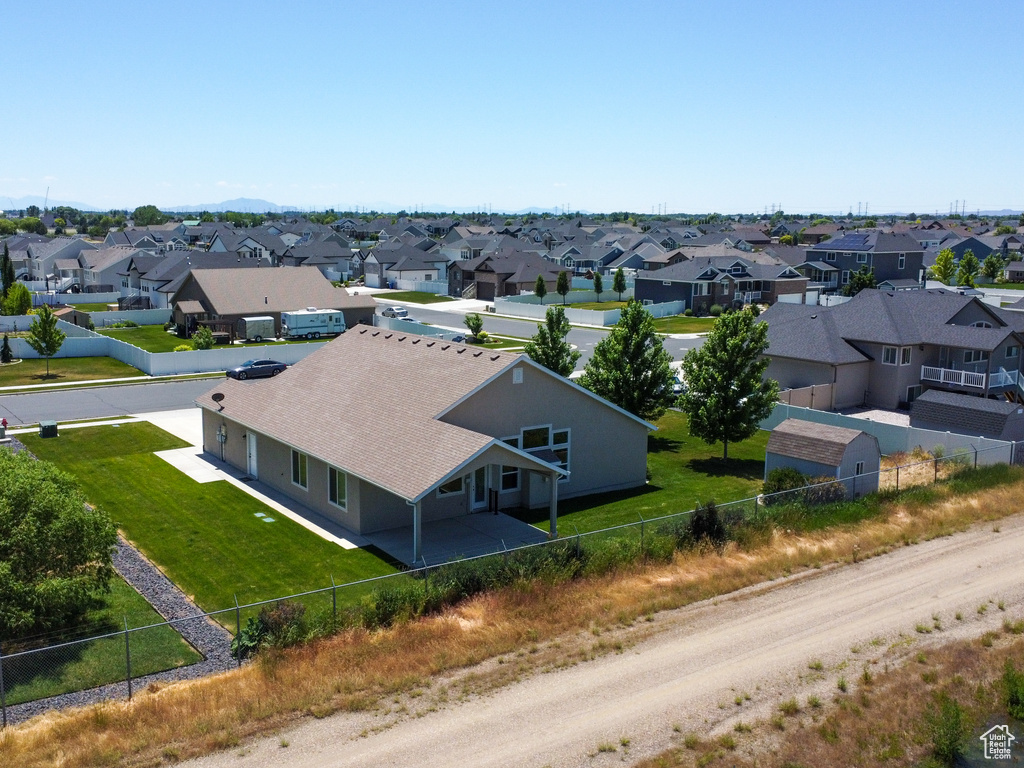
pixel 94 382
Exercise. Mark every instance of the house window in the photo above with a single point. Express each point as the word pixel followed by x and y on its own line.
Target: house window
pixel 517 375
pixel 860 468
pixel 299 469
pixel 428 276
pixel 666 282
pixel 830 256
pixel 902 261
pixel 451 488
pixel 975 356
pixel 862 258
pixel 913 393
pixel 537 439
pixel 509 478
pixel 888 355
pixel 904 355
pixel 1013 351
pixel 337 487
pixel 700 289
pixel 981 324
pixel 846 276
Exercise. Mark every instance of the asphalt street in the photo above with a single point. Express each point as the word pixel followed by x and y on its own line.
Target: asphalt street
pixel 100 402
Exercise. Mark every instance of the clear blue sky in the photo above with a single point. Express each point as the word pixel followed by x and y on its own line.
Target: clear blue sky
pixel 699 106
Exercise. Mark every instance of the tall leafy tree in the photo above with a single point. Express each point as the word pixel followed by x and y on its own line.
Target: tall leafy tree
pixel 55 552
pixel 969 269
pixel 474 323
pixel 727 395
pixel 944 268
pixel 18 300
pixel 859 280
pixel 147 215
pixel 563 285
pixel 45 336
pixel 992 267
pixel 6 271
pixel 548 346
pixel 540 288
pixel 598 285
pixel 630 366
pixel 619 282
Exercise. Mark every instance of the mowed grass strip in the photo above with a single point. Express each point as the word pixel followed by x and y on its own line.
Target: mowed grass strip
pixel 415 297
pixel 152 338
pixel 205 536
pixel 684 470
pixel 63 370
pixel 98 662
pixel 684 324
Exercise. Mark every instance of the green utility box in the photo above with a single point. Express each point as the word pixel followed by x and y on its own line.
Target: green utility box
pixel 47 428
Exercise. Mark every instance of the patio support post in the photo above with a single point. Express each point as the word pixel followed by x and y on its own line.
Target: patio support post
pixel 417 531
pixel 554 505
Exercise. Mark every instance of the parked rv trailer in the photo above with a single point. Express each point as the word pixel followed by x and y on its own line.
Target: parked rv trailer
pixel 312 323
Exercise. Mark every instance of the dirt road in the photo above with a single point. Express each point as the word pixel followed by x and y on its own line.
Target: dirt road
pixel 688 675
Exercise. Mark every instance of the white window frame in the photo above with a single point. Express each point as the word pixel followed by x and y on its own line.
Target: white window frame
pixel 862 257
pixel 975 356
pixel 340 500
pixel 551 445
pixel 888 352
pixel 859 469
pixel 1013 351
pixel 300 469
pixel 830 256
pixel 442 493
pixel 905 355
pixel 902 262
pixel 846 277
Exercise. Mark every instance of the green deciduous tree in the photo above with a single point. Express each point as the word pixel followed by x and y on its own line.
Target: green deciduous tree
pixel 619 282
pixel 969 269
pixel 474 323
pixel 1005 229
pixel 55 553
pixel 202 338
pixel 630 366
pixel 563 285
pixel 147 215
pixel 44 335
pixel 727 395
pixel 540 288
pixel 598 285
pixel 992 267
pixel 18 300
pixel 8 227
pixel 549 348
pixel 944 268
pixel 859 280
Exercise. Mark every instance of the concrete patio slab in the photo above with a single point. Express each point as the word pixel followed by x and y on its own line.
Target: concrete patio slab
pixel 459 537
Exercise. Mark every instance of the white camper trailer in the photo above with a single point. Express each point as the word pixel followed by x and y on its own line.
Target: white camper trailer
pixel 312 323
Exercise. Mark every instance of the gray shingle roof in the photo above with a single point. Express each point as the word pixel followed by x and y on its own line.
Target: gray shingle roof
pixel 962 413
pixel 810 441
pixel 807 332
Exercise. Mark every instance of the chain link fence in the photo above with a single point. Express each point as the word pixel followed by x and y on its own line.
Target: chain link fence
pixel 117 664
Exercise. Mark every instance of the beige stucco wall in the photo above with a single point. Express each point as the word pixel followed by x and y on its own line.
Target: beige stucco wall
pixel 608 450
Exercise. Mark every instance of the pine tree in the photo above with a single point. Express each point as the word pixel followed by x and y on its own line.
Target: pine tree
pixel 619 282
pixel 6 271
pixel 727 396
pixel 630 366
pixel 549 347
pixel 540 288
pixel 563 285
pixel 6 355
pixel 44 336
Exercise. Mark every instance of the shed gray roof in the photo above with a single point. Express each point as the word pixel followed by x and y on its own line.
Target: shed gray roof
pixel 966 414
pixel 810 441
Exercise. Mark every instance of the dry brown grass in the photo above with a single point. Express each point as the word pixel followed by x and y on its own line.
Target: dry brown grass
pixel 881 724
pixel 903 470
pixel 357 669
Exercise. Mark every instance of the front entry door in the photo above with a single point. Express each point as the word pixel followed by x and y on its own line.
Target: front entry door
pixel 250 456
pixel 479 497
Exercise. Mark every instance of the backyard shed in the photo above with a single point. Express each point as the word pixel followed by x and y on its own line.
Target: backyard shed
pixel 968 415
pixel 821 450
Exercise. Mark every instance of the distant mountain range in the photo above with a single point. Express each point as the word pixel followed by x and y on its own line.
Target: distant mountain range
pixel 256 205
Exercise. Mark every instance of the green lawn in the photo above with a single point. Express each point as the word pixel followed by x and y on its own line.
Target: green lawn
pixel 63 370
pixel 416 297
pixel 90 307
pixel 684 470
pixel 1008 286
pixel 684 324
pixel 152 338
pixel 97 662
pixel 600 306
pixel 204 536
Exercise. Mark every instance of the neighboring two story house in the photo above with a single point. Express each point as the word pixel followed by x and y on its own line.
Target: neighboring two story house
pixel 884 348
pixel 891 256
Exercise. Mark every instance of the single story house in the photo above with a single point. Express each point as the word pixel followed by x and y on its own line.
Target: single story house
pixel 822 450
pixel 453 430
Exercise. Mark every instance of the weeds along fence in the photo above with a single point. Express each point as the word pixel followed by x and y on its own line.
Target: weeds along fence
pixel 117 663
